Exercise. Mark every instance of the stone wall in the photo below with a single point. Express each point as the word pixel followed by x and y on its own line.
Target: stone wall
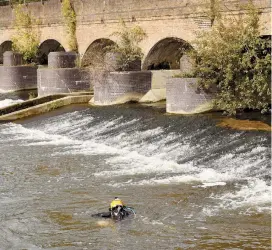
pixel 121 87
pixel 55 81
pixel 109 10
pixel 182 97
pixel 15 78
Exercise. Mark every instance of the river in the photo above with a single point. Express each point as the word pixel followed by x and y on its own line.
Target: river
pixel 193 184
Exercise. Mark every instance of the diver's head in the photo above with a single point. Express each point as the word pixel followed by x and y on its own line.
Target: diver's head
pixel 117 209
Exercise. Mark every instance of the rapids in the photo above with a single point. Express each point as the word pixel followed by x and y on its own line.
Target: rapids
pixel 194 185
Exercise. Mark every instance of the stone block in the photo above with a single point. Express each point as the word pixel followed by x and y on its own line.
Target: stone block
pixel 183 97
pixel 120 87
pixel 11 58
pixel 62 59
pixel 53 81
pixel 15 78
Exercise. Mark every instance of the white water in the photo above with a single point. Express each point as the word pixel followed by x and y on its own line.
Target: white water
pixel 193 185
pixel 8 102
pixel 149 157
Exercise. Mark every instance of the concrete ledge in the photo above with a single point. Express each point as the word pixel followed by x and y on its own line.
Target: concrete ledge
pixel 60 101
pixel 182 97
pixel 121 87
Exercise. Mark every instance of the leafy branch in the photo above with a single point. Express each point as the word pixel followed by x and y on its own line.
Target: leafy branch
pixel 27 35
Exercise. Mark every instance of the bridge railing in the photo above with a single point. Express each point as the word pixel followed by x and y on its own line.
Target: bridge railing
pixel 11 2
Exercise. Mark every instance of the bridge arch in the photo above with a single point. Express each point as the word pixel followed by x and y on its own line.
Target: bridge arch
pixel 166 54
pixel 95 53
pixel 47 46
pixel 5 46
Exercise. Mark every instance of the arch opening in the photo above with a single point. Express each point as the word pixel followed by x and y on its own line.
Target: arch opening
pixel 166 54
pixel 45 48
pixel 94 56
pixel 5 46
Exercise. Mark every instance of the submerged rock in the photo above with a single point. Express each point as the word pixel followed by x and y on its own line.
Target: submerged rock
pixel 244 124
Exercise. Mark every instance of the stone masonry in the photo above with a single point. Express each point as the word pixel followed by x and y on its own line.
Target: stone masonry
pixel 182 97
pixel 121 87
pixel 56 79
pixel 15 76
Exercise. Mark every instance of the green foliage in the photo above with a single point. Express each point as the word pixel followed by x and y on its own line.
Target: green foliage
pixel 234 57
pixel 69 17
pixel 127 47
pixel 27 36
pixel 32 95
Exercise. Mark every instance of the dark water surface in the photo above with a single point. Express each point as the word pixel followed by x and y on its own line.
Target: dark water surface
pixel 193 185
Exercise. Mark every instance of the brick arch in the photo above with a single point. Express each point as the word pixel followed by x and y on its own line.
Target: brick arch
pixel 47 46
pixel 94 54
pixel 166 54
pixel 55 32
pixel 5 46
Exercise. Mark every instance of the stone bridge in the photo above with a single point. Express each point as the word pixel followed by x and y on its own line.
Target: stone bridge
pixel 170 25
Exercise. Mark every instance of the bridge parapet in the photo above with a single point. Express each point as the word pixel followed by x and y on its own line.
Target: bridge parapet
pixel 97 11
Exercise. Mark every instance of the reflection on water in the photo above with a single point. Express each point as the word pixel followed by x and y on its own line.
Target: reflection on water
pixel 194 185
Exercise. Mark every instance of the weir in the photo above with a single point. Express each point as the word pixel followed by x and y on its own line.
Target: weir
pixel 41 105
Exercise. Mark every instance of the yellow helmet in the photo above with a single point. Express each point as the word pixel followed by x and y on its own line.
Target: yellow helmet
pixel 116 202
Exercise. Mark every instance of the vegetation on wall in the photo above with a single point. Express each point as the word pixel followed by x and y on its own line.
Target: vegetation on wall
pixel 69 17
pixel 26 36
pixel 234 57
pixel 127 46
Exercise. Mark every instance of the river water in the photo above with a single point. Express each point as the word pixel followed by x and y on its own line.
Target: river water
pixel 194 185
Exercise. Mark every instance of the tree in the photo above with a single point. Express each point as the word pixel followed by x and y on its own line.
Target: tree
pixel 234 57
pixel 27 36
pixel 127 46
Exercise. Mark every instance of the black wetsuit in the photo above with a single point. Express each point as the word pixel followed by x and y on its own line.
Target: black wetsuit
pixel 124 212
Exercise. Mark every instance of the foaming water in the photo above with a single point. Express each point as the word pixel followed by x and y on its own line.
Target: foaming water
pixel 195 169
pixel 8 102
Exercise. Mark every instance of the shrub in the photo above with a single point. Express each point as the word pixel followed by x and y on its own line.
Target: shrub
pixel 127 47
pixel 27 36
pixel 233 56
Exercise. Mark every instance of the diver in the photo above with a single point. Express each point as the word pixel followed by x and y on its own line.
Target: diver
pixel 117 211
